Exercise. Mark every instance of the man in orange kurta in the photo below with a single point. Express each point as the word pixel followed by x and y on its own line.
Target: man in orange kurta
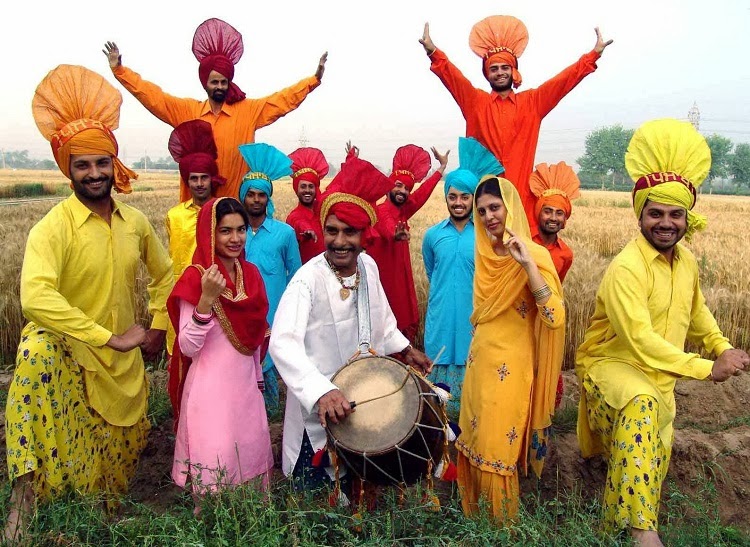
pixel 390 248
pixel 233 124
pixel 505 122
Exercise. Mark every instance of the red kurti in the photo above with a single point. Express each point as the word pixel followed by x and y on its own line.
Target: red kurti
pixel 509 127
pixel 393 258
pixel 233 126
pixel 302 219
pixel 561 254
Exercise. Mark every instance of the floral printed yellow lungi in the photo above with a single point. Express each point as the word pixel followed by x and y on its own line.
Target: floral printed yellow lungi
pixel 51 430
pixel 637 459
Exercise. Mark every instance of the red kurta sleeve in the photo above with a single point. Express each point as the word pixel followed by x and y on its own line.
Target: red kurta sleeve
pixel 553 90
pixel 420 196
pixel 282 102
pixel 169 109
pixel 459 86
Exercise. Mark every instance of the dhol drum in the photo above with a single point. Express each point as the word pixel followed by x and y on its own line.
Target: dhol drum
pixel 397 433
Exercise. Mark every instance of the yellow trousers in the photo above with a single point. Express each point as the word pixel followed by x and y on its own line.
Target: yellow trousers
pixel 637 460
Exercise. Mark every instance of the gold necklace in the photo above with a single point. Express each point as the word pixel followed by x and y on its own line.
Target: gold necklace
pixel 345 290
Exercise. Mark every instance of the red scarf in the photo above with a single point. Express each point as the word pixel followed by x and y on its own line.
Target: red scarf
pixel 241 310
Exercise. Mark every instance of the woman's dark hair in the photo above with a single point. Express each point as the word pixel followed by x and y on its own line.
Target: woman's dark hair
pixel 489 186
pixel 228 206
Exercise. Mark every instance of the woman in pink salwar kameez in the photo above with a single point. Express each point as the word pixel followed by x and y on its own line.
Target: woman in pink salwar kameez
pixel 218 308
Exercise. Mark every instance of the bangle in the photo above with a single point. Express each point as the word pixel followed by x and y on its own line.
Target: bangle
pixel 542 292
pixel 202 319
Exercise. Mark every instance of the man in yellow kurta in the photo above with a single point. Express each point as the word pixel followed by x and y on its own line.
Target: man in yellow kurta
pixel 192 146
pixel 234 118
pixel 76 409
pixel 649 302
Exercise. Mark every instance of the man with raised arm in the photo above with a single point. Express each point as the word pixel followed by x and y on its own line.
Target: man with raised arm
pixel 506 122
pixel 234 118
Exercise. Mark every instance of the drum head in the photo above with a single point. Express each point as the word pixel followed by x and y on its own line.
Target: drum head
pixel 379 425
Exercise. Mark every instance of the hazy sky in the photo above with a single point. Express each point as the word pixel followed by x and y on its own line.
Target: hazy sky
pixel 378 89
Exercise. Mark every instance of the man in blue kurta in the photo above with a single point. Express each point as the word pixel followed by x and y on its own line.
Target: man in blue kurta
pixel 271 244
pixel 448 254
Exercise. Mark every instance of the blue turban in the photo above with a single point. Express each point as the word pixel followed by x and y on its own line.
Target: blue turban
pixel 267 163
pixel 474 161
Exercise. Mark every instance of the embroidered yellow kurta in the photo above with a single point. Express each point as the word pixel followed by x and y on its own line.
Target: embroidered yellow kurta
pixel 645 310
pixel 78 279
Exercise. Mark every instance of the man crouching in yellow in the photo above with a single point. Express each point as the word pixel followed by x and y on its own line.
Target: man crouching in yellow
pixel 649 302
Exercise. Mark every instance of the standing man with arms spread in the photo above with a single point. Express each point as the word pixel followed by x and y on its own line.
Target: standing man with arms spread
pixel 648 304
pixel 391 248
pixel 271 244
pixel 316 329
pixel 505 122
pixel 76 410
pixel 448 254
pixel 192 146
pixel 309 166
pixel 218 47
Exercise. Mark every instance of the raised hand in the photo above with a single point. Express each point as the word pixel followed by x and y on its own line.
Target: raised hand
pixel 426 41
pixel 212 283
pixel 517 249
pixel 309 234
pixel 351 149
pixel 442 158
pixel 600 43
pixel 402 232
pixel 321 66
pixel 113 54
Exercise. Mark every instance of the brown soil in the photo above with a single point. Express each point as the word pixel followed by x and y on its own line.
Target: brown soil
pixel 712 441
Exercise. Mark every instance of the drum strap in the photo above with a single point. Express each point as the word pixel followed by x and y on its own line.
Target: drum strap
pixel 363 309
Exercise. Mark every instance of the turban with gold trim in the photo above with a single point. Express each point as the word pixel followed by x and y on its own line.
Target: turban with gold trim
pixel 668 159
pixel 310 165
pixel 555 185
pixel 410 165
pixel 499 39
pixel 76 110
pixel 267 163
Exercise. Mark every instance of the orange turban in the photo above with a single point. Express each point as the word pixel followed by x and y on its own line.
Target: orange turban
pixel 76 110
pixel 554 185
pixel 500 39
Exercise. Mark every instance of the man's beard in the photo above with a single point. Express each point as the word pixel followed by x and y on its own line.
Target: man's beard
pixel 501 88
pixel 218 95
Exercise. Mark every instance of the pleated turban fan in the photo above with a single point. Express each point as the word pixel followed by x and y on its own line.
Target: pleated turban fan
pixel 555 185
pixel 218 46
pixel 77 110
pixel 474 162
pixel 267 164
pixel 500 39
pixel 668 159
pixel 192 146
pixel 411 163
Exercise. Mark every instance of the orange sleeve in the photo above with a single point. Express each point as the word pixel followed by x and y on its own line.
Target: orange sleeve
pixel 282 102
pixel 458 85
pixel 553 90
pixel 169 109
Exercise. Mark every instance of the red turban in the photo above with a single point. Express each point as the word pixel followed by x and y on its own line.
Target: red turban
pixel 310 165
pixel 410 165
pixel 218 46
pixel 192 146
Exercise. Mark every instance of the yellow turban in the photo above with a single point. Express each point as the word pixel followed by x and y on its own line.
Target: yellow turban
pixel 668 159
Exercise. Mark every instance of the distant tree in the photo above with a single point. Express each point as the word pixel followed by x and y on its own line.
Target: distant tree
pixel 739 164
pixel 46 165
pixel 604 158
pixel 720 151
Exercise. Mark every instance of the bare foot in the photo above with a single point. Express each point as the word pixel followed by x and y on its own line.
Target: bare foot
pixel 21 504
pixel 645 538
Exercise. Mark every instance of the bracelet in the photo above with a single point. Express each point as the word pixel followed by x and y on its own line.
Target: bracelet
pixel 542 292
pixel 202 319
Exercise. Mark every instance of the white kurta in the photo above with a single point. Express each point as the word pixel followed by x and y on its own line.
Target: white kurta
pixel 313 335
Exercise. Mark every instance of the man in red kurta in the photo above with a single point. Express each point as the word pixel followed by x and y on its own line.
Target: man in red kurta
pixel 309 165
pixel 234 118
pixel 390 248
pixel 505 122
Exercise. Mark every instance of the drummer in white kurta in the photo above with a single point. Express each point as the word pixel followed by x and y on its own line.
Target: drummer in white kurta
pixel 316 329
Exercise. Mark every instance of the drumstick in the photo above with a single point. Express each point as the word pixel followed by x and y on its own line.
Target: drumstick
pixel 439 353
pixel 353 404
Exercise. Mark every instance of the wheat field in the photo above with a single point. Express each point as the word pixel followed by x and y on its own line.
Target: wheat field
pixel 601 224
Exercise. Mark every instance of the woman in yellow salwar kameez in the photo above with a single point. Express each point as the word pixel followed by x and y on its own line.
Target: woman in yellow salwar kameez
pixel 515 355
